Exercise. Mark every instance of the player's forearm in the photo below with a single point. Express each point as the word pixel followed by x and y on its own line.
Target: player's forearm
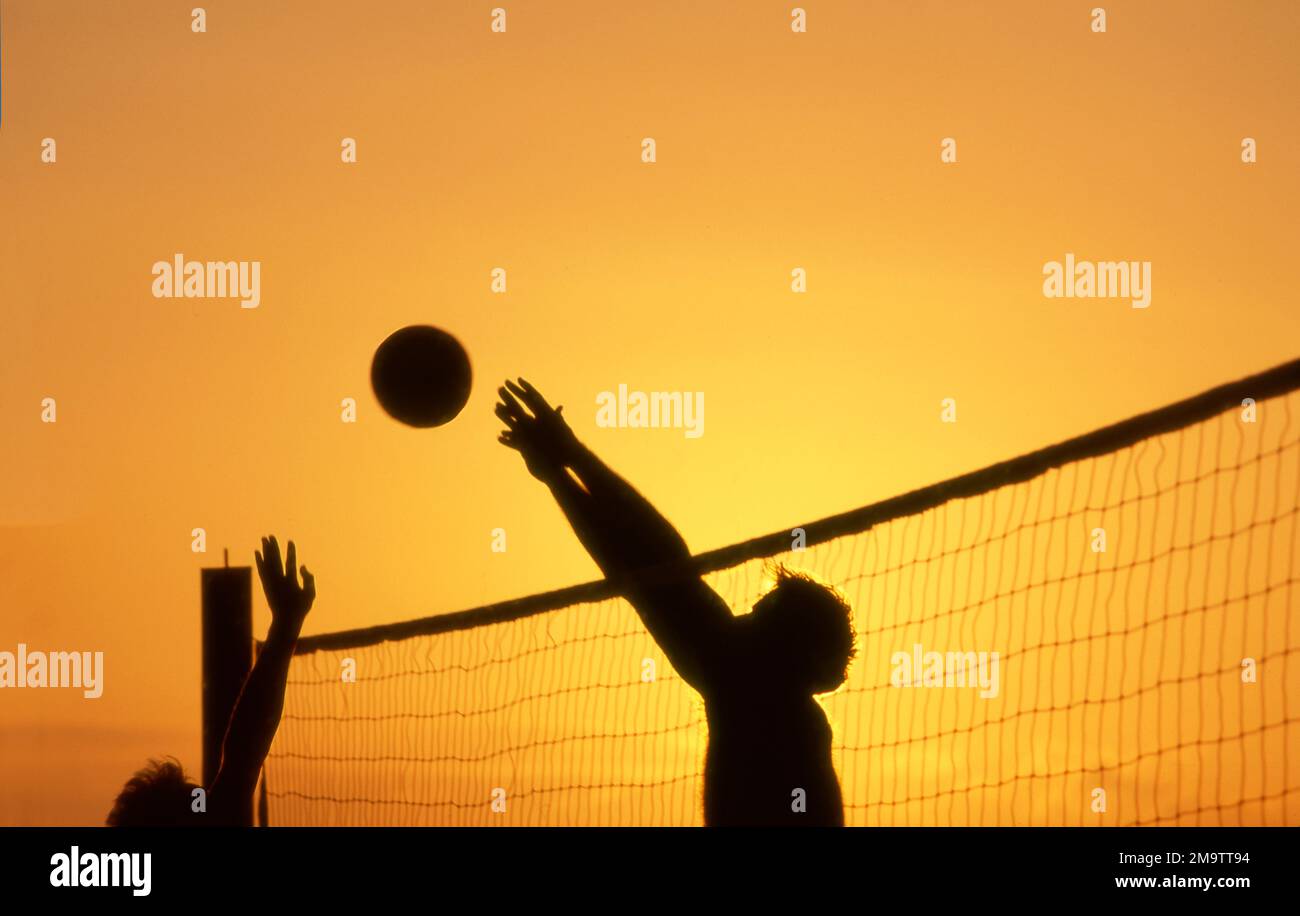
pixel 680 612
pixel 646 537
pixel 257 712
pixel 599 478
pixel 581 511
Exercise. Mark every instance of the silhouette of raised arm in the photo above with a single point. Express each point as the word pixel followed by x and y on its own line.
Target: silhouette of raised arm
pixel 256 715
pixel 632 543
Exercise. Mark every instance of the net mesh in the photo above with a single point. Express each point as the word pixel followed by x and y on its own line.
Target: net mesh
pixel 1139 604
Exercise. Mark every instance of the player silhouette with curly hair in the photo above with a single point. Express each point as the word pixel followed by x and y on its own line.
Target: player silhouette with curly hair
pixel 769 754
pixel 161 795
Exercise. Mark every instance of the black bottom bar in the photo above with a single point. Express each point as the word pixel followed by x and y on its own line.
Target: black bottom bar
pixel 660 870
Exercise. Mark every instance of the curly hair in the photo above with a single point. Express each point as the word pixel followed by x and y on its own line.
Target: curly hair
pixel 816 628
pixel 159 795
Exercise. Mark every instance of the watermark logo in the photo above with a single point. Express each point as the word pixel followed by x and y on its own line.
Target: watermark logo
pixel 106 869
pixel 682 410
pixel 920 668
pixel 182 279
pixel 81 670
pixel 1073 279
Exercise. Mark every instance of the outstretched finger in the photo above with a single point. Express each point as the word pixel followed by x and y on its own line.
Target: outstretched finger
pixel 529 387
pixel 505 416
pixel 511 402
pixel 291 564
pixel 532 392
pixel 273 563
pixel 521 394
pixel 532 397
pixel 308 585
pixel 261 565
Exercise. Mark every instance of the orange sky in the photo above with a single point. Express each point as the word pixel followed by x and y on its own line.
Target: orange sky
pixel 521 150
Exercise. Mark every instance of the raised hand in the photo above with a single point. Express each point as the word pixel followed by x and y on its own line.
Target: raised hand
pixel 539 433
pixel 257 712
pixel 289 601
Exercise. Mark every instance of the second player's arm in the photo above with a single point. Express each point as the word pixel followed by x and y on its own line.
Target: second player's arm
pixel 256 715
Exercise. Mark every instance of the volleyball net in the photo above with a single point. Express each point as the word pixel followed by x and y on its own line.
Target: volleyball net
pixel 1097 633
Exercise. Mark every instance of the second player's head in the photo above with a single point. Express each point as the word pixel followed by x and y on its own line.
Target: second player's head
pixel 160 795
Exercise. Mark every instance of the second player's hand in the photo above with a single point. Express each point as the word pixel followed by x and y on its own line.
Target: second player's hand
pixel 289 601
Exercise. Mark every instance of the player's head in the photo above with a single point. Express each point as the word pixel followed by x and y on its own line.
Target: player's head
pixel 159 795
pixel 807 628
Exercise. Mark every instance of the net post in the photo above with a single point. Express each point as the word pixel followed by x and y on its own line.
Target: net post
pixel 227 622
